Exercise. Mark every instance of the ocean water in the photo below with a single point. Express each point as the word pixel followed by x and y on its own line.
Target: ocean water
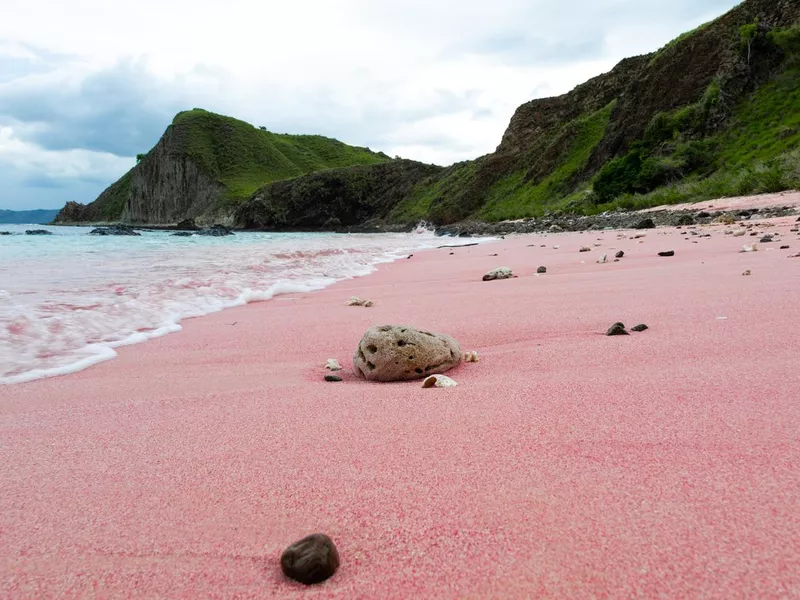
pixel 68 299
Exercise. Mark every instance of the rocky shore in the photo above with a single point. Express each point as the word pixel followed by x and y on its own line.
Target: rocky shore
pixel 557 223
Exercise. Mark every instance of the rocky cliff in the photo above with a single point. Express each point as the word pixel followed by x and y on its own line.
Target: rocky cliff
pixel 205 165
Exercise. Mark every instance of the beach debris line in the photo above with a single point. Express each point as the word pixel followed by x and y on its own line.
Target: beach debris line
pixel 617 329
pixel 310 560
pixel 356 301
pixel 498 273
pixel 333 365
pixel 332 378
pixel 639 328
pixel 471 357
pixel 439 381
pixel 404 353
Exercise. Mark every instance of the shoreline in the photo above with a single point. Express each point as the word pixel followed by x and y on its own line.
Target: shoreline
pixel 566 463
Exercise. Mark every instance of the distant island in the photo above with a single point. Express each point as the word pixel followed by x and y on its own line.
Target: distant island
pixel 714 113
pixel 22 217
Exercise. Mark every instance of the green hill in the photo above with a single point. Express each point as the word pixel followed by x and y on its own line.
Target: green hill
pixel 714 113
pixel 206 163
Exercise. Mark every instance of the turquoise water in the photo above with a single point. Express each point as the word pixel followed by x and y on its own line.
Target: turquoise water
pixel 68 299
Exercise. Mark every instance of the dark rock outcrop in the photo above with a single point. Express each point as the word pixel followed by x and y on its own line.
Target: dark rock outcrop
pixel 118 229
pixel 38 232
pixel 215 231
pixel 334 199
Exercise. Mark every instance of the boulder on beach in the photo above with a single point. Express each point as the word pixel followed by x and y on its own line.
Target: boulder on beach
pixel 645 224
pixel 403 353
pixel 310 560
pixel 498 273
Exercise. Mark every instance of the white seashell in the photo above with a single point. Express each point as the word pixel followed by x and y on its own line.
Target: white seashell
pixel 438 381
pixel 356 301
pixel 471 357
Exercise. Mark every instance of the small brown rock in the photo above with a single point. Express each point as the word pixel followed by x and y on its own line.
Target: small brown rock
pixel 617 329
pixel 667 253
pixel 310 560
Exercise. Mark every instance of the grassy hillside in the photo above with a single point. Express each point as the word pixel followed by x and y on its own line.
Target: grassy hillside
pixel 716 112
pixel 207 163
pixel 244 158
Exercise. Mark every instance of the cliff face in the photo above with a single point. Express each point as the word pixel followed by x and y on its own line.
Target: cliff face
pixel 168 186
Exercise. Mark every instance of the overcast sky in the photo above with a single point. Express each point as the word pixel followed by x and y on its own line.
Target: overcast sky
pixel 86 85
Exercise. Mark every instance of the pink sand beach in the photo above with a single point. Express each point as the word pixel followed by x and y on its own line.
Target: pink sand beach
pixel 566 464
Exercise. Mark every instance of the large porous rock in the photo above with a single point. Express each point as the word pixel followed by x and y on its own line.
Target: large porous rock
pixel 310 560
pixel 402 353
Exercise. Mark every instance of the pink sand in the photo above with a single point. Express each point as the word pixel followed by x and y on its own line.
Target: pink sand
pixel 565 464
pixel 790 198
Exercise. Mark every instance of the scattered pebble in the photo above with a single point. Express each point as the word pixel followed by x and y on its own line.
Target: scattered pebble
pixel 617 329
pixel 785 247
pixel 746 273
pixel 332 378
pixel 640 327
pixel 310 560
pixel 619 254
pixel 498 273
pixel 585 249
pixel 746 248
pixel 356 301
pixel 439 381
pixel 667 253
pixel 739 233
pixel 471 356
pixel 766 239
pixel 795 255
pixel 333 365
pixel 541 270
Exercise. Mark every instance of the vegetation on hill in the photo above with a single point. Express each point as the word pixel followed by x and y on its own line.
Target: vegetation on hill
pixel 716 112
pixel 244 158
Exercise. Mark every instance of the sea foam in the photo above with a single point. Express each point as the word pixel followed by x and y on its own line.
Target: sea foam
pixel 67 300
